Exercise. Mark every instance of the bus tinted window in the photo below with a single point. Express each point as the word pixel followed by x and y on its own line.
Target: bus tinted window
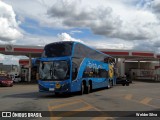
pixel 86 52
pixel 103 73
pixel 54 70
pixel 95 73
pixel 58 49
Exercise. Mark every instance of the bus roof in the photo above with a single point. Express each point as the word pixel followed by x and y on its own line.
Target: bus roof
pixel 74 49
pixel 93 49
pixel 75 42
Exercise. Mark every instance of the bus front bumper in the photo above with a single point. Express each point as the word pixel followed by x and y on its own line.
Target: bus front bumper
pixel 58 88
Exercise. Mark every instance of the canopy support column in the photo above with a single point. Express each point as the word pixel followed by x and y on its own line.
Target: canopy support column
pixel 30 66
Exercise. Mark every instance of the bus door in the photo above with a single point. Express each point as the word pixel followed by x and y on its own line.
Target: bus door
pixel 74 80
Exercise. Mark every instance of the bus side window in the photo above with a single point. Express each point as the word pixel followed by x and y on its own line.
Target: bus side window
pixel 74 71
pixel 103 73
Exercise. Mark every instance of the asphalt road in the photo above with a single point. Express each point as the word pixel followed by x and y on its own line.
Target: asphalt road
pixel 140 98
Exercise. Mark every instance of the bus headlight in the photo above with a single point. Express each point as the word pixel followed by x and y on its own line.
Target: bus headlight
pixel 58 85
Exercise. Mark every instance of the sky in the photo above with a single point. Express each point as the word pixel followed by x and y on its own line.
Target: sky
pixel 105 24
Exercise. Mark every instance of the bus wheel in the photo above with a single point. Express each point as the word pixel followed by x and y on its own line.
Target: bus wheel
pixel 82 89
pixel 88 89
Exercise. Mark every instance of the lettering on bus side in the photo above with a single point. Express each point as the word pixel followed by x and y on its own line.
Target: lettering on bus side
pixel 93 70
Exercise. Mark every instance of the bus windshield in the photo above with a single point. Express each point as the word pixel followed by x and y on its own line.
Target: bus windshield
pixel 54 71
pixel 58 49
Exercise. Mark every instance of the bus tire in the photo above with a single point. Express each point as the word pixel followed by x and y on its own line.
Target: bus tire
pixel 88 89
pixel 82 89
pixel 90 86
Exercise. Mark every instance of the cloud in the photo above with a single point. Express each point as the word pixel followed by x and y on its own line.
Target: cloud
pixel 36 40
pixel 75 31
pixel 131 22
pixel 155 4
pixel 120 19
pixel 10 59
pixel 67 37
pixel 156 42
pixel 8 25
pixel 110 44
pixel 145 46
pixel 107 20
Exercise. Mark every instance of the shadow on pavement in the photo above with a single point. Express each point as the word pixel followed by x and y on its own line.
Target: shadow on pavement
pixel 148 81
pixel 36 95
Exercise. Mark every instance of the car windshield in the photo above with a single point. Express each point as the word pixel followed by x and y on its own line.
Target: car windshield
pixel 54 71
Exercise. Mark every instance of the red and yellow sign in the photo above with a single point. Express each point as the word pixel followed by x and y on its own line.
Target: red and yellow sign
pixel 111 71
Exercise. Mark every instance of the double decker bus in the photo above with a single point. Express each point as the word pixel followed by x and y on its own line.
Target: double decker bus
pixel 68 66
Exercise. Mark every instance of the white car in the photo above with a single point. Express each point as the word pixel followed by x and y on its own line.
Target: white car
pixel 15 78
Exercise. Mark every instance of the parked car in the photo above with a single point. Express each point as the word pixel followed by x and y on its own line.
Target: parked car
pixel 15 78
pixel 122 80
pixel 6 81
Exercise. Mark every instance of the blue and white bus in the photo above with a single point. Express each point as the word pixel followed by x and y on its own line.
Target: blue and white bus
pixel 68 66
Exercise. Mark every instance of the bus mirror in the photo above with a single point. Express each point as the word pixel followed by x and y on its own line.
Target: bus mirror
pixel 76 71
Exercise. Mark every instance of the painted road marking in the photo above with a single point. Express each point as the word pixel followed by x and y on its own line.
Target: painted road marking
pixel 128 96
pixel 51 108
pixel 90 105
pixel 70 113
pixel 84 108
pixel 146 100
pixel 102 118
pixel 65 104
pixel 58 101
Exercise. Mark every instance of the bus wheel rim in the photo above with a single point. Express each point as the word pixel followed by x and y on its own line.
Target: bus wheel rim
pixel 82 90
pixel 89 88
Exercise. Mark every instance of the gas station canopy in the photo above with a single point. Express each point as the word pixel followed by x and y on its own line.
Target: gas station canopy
pixel 35 51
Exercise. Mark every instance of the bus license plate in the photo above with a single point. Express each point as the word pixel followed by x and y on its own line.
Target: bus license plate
pixel 51 89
